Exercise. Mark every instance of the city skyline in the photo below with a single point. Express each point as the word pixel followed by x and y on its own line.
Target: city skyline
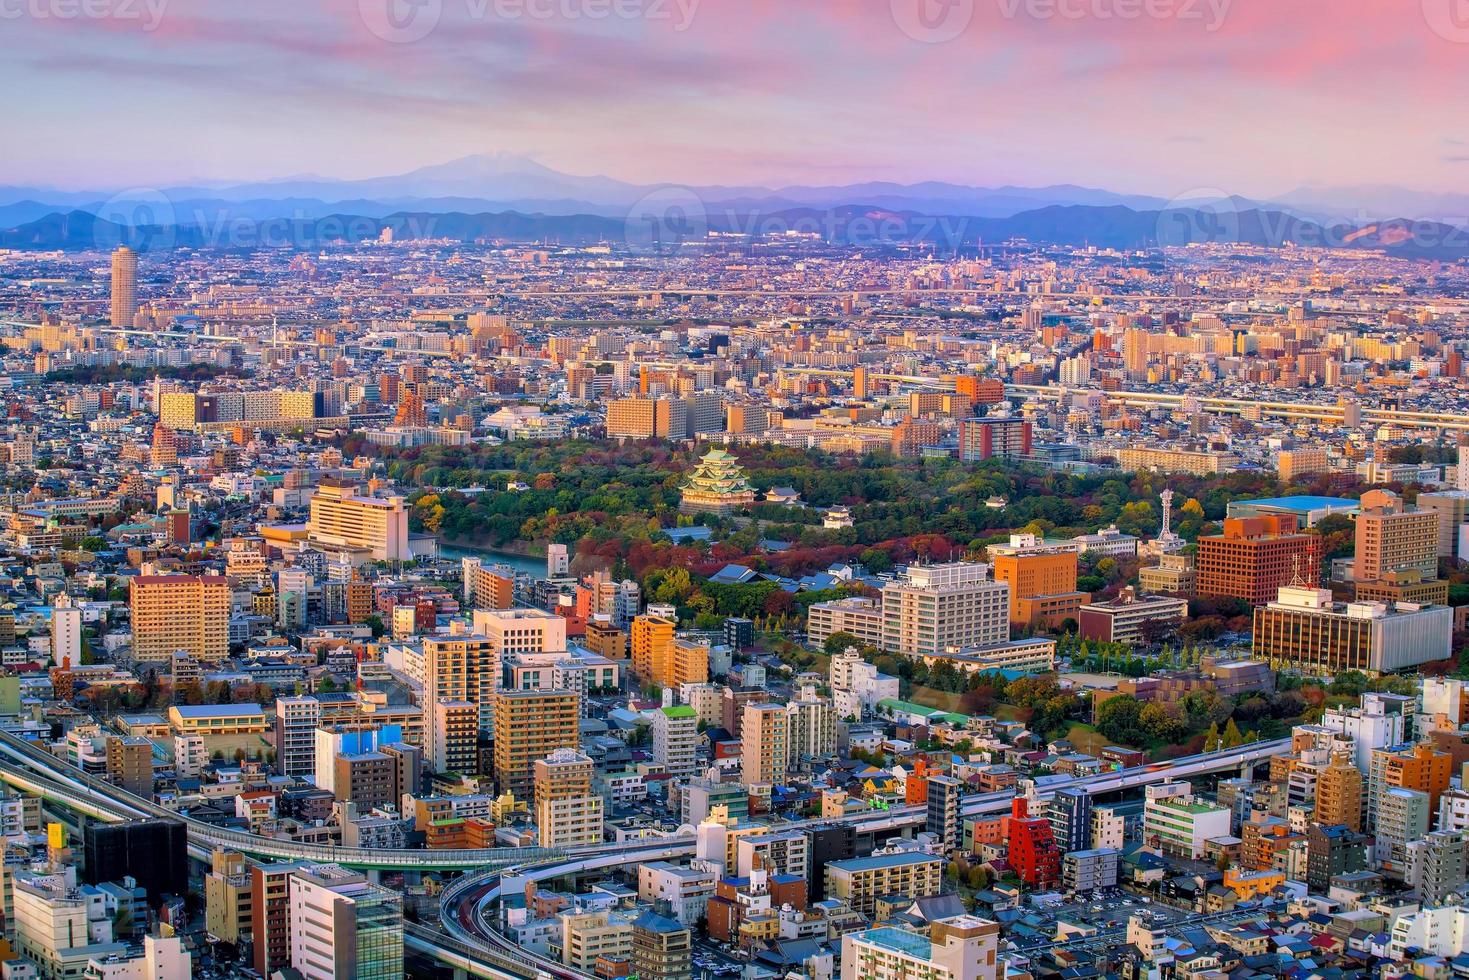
pixel 1172 99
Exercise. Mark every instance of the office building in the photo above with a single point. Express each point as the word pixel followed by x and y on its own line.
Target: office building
pixel 648 418
pixel 1042 581
pixel 57 927
pixel 765 751
pixel 1392 538
pixel 342 925
pixel 528 725
pixel 1305 630
pixel 172 613
pixel 124 287
pixel 1255 557
pixel 938 608
pixel 1131 618
pixel 343 519
pixel 154 853
pixel 963 947
pixel 567 813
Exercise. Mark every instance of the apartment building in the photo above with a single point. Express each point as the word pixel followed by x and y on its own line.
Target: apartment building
pixel 948 607
pixel 528 725
pixel 180 612
pixel 862 881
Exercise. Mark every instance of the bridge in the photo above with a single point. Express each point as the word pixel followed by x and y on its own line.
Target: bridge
pixel 471 941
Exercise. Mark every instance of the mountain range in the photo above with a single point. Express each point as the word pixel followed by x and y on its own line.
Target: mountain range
pixel 515 198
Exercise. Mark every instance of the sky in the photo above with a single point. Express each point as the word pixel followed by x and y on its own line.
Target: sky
pixel 1164 97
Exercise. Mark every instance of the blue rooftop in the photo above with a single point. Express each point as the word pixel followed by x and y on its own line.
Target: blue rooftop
pixel 901 941
pixel 1302 503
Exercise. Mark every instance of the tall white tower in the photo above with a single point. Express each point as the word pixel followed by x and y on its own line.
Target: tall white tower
pixel 1167 498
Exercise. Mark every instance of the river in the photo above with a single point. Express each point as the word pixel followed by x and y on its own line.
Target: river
pixel 531 564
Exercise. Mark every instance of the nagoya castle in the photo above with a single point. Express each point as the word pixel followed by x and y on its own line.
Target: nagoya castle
pixel 717 486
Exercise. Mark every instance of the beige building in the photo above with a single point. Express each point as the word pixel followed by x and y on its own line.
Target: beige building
pixel 180 612
pixel 1391 538
pixel 963 947
pixel 1295 463
pixel 588 936
pixel 529 724
pixel 1175 461
pixel 862 881
pixel 568 814
pixel 342 519
pixel 460 677
pixel 765 744
pixel 228 901
pixel 124 287
pixel 938 608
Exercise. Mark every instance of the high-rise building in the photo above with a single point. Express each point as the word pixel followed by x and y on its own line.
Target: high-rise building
pixel 1436 865
pixel 296 721
pixel 1033 850
pixel 460 677
pixel 1331 850
pixel 342 519
pixel 66 634
pixel 676 740
pixel 1339 794
pixel 1302 461
pixel 130 764
pixel 1452 508
pixel 343 925
pixel 124 287
pixel 153 852
pixel 1402 816
pixel 1254 557
pixel 985 438
pixel 763 744
pixel 228 913
pixel 270 910
pixel 164 450
pixel 661 659
pixel 936 608
pixel 528 725
pixel 180 612
pixel 488 586
pixel 812 727
pixel 963 947
pixel 662 948
pixel 568 813
pixel 944 795
pixel 1392 538
pixel 1070 814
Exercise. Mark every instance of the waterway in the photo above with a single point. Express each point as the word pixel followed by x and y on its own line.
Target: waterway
pixel 530 564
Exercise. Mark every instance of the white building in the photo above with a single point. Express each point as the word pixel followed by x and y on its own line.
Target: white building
pixel 687 890
pixel 960 948
pixel 66 635
pixel 1435 932
pixel 296 721
pixel 676 739
pixel 163 958
pixel 1178 823
pixel 342 925
pixel 936 608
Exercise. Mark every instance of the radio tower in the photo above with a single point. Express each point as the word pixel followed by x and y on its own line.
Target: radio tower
pixel 1167 497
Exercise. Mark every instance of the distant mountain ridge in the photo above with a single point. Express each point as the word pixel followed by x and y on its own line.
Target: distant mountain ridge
pixel 673 223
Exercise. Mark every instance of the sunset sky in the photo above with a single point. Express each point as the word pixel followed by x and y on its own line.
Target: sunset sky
pixel 1254 97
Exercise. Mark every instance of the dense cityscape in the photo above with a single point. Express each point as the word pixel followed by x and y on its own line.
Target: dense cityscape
pixel 945 538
